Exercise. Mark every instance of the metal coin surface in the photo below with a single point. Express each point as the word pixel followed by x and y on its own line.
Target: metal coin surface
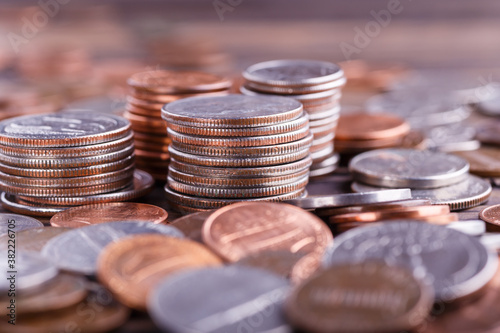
pixel 131 268
pixel 232 111
pixel 456 264
pixel 362 126
pixel 245 228
pixel 66 129
pixel 415 212
pixel 408 168
pixel 452 138
pixel 471 192
pixel 81 216
pixel 175 307
pixel 297 90
pixel 370 207
pixel 469 227
pixel 491 214
pixel 350 199
pixel 77 250
pixel 278 262
pixel 360 297
pixel 32 240
pixel 16 223
pixel 484 162
pixel 191 224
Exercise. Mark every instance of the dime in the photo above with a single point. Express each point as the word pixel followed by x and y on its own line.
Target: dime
pixel 350 199
pixel 232 111
pixel 408 168
pixel 433 252
pixel 484 161
pixel 415 212
pixel 223 290
pixel 131 268
pixel 77 250
pixel 471 192
pixel 360 297
pixel 81 216
pixel 65 129
pixel 360 126
pixel 191 224
pixel 14 223
pixel 242 229
pixel 32 240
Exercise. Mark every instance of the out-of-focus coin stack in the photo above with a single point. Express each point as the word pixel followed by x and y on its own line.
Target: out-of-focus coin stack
pixel 149 91
pixel 50 162
pixel 233 148
pixel 317 85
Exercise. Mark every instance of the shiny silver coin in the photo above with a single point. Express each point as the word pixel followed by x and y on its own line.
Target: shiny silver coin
pixel 292 90
pixel 77 250
pixel 293 72
pixel 411 168
pixel 310 99
pixel 469 227
pixel 420 108
pixel 232 301
pixel 351 199
pixel 17 223
pixel 232 111
pixel 9 202
pixel 450 138
pixel 65 129
pixel 456 264
pixel 30 270
pixel 468 193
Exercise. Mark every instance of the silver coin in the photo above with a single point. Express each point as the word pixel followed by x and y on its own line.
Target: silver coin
pixel 329 95
pixel 292 90
pixel 29 269
pixel 490 107
pixel 10 203
pixel 468 193
pixel 77 250
pixel 351 199
pixel 469 227
pixel 293 72
pixel 17 223
pixel 455 264
pixel 420 108
pixel 408 168
pixel 62 129
pixel 449 138
pixel 232 301
pixel 232 111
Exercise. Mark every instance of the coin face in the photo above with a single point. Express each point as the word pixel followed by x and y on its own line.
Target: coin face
pixel 362 126
pixel 360 297
pixel 17 223
pixel 293 72
pixel 242 229
pixel 77 250
pixel 456 264
pixel 62 129
pixel 32 240
pixel 109 212
pixel 491 215
pixel 132 267
pixel 232 111
pixel 191 224
pixel 223 290
pixel 408 168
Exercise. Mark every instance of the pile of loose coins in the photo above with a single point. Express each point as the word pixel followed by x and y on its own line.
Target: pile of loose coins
pixel 50 162
pixel 317 85
pixel 232 148
pixel 149 91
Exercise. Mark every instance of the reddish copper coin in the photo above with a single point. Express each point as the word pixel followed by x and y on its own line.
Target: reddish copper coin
pixel 191 224
pixel 484 162
pixel 364 126
pixel 246 228
pixel 491 215
pixel 109 212
pixel 278 262
pixel 414 212
pixel 371 207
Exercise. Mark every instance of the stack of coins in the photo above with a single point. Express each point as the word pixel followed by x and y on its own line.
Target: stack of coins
pixel 233 148
pixel 317 85
pixel 149 91
pixel 49 162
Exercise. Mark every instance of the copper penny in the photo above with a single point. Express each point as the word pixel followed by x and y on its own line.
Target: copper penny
pixel 491 215
pixel 305 268
pixel 414 212
pixel 132 267
pixel 140 103
pixel 362 297
pixel 152 155
pixel 362 126
pixel 168 98
pixel 371 207
pixel 149 137
pixel 484 162
pixel 191 224
pixel 145 121
pixel 245 228
pixel 109 212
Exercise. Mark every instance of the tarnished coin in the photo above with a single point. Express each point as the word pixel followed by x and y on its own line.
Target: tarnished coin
pixel 293 72
pixel 484 162
pixel 232 111
pixel 491 215
pixel 362 126
pixel 471 192
pixel 82 216
pixel 228 290
pixel 360 297
pixel 242 229
pixel 28 270
pixel 131 268
pixel 408 168
pixel 77 250
pixel 32 240
pixel 456 264
pixel 191 224
pixel 14 223
pixel 66 129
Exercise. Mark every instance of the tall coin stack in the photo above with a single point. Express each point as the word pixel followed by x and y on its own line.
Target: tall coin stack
pixel 233 148
pixel 317 85
pixel 149 91
pixel 49 162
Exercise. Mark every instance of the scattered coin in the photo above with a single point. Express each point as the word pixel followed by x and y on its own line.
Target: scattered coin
pixel 279 262
pixel 484 161
pixel 370 207
pixel 191 224
pixel 16 223
pixel 32 240
pixel 491 215
pixel 452 138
